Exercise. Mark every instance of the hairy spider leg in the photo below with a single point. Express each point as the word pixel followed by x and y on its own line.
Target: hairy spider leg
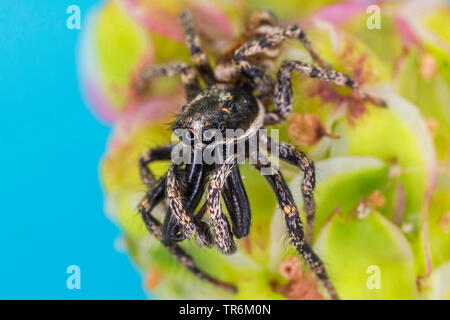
pixel 259 24
pixel 187 72
pixel 193 179
pixel 283 88
pixel 236 201
pixel 171 225
pixel 295 228
pixel 263 82
pixel 274 39
pixel 222 234
pixel 147 157
pixel 198 56
pixel 292 155
pixel 179 209
pixel 151 199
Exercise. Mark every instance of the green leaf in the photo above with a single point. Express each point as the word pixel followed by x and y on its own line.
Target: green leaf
pixel 356 251
pixel 440 282
pixel 399 136
pixel 384 43
pixel 431 96
pixel 120 44
pixel 439 229
pixel 437 21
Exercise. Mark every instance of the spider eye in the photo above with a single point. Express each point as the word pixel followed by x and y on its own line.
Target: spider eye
pixel 208 135
pixel 229 105
pixel 189 136
pixel 221 127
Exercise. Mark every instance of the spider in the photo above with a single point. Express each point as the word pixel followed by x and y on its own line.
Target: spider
pixel 237 94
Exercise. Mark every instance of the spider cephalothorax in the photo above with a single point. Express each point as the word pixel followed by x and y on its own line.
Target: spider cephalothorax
pixel 237 97
pixel 221 107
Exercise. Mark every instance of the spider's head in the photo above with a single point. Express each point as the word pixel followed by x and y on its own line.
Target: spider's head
pixel 215 110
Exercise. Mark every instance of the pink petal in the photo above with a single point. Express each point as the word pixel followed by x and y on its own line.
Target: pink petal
pixel 89 74
pixel 406 32
pixel 158 21
pixel 342 12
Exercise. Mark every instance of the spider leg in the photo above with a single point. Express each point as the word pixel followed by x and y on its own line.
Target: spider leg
pixel 146 206
pixel 198 56
pixel 193 180
pixel 188 77
pixel 178 207
pixel 237 203
pixel 148 203
pixel 263 82
pixel 283 89
pixel 156 154
pixel 222 234
pixel 171 226
pixel 273 40
pixel 292 155
pixel 295 228
pixel 259 24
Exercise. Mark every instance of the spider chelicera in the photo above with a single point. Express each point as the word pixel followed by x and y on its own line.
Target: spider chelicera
pixel 238 94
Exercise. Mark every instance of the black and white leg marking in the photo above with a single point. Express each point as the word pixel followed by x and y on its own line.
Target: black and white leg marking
pixel 145 208
pixel 188 77
pixel 222 234
pixel 192 178
pixel 276 38
pixel 156 154
pixel 292 155
pixel 171 230
pixel 283 88
pixel 198 56
pixel 295 228
pixel 179 209
pixel 263 82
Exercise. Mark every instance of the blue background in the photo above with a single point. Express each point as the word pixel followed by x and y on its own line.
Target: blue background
pixel 51 200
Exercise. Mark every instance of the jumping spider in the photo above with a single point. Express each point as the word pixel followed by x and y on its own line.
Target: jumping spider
pixel 238 94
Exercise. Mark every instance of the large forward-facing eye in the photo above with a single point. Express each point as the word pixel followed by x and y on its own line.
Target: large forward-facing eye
pixel 222 130
pixel 184 135
pixel 228 107
pixel 209 135
pixel 189 136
